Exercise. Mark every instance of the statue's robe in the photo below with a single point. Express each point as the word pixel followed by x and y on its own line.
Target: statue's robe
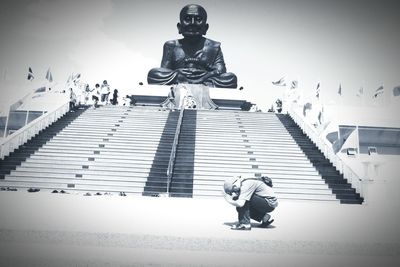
pixel 195 64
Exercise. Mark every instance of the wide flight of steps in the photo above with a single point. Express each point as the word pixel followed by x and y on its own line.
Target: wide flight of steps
pixel 19 155
pixel 215 145
pixel 109 149
pixel 335 180
pixel 127 149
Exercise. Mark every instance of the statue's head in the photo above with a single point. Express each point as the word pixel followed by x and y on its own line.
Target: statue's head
pixel 193 21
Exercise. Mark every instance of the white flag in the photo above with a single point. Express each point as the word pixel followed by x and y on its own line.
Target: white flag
pixel 49 77
pixel 378 91
pixel 280 82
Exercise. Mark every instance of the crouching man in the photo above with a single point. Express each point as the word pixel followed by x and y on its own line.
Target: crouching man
pixel 253 199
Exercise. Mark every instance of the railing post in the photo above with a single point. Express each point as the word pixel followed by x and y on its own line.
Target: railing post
pixel 6 126
pixel 26 118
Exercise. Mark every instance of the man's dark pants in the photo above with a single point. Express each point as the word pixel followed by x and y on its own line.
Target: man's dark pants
pixel 255 208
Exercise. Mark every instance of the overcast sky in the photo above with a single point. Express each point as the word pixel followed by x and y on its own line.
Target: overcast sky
pixel 354 42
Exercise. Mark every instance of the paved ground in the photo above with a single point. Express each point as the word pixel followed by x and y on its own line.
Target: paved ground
pixel 43 229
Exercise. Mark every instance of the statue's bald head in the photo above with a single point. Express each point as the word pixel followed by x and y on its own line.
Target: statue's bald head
pixel 193 9
pixel 193 21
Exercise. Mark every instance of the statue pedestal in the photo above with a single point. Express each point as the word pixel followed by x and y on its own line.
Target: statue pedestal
pixel 195 96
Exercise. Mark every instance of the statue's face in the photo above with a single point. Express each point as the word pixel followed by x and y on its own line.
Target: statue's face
pixel 193 21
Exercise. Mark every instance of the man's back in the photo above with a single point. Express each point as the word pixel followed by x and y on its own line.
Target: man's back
pixel 258 187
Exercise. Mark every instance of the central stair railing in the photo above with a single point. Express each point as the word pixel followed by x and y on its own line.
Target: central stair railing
pixel 172 157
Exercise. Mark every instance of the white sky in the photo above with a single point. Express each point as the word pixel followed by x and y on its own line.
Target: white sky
pixel 354 42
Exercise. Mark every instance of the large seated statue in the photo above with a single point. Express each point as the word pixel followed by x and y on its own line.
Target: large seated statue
pixel 193 59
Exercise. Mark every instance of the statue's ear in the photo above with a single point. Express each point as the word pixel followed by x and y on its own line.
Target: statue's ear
pixel 205 29
pixel 178 25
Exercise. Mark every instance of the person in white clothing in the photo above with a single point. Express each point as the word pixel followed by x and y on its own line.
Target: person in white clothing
pixel 105 92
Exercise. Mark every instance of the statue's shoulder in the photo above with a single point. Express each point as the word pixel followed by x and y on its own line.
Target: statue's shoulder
pixel 212 43
pixel 171 43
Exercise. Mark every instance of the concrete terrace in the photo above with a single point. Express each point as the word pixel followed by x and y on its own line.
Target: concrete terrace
pixel 44 229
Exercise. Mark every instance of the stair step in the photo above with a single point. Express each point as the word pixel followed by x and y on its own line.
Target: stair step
pixel 103 156
pixel 84 172
pixel 276 178
pixel 77 187
pixel 106 150
pixel 73 153
pixel 96 166
pixel 232 168
pixel 55 176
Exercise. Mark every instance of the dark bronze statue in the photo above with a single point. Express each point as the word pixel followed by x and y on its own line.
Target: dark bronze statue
pixel 193 59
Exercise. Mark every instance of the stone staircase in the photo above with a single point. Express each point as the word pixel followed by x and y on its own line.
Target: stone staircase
pixel 216 145
pixel 121 149
pixel 339 185
pixel 109 149
pixel 15 159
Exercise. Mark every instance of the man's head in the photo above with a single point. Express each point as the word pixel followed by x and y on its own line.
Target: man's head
pixel 193 21
pixel 230 187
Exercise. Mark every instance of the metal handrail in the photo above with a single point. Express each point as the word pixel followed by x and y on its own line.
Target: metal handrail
pixel 22 135
pixel 172 157
pixel 328 152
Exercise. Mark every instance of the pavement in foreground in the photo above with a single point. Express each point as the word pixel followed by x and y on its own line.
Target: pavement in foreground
pixel 44 229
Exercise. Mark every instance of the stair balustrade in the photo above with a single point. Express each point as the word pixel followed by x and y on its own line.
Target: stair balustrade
pixel 327 150
pixel 19 137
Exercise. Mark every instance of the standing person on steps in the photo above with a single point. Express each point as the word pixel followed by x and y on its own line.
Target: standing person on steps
pixel 105 92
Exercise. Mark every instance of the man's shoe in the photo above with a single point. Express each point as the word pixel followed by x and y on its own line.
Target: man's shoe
pixel 33 190
pixel 241 226
pixel 266 224
pixel 266 217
